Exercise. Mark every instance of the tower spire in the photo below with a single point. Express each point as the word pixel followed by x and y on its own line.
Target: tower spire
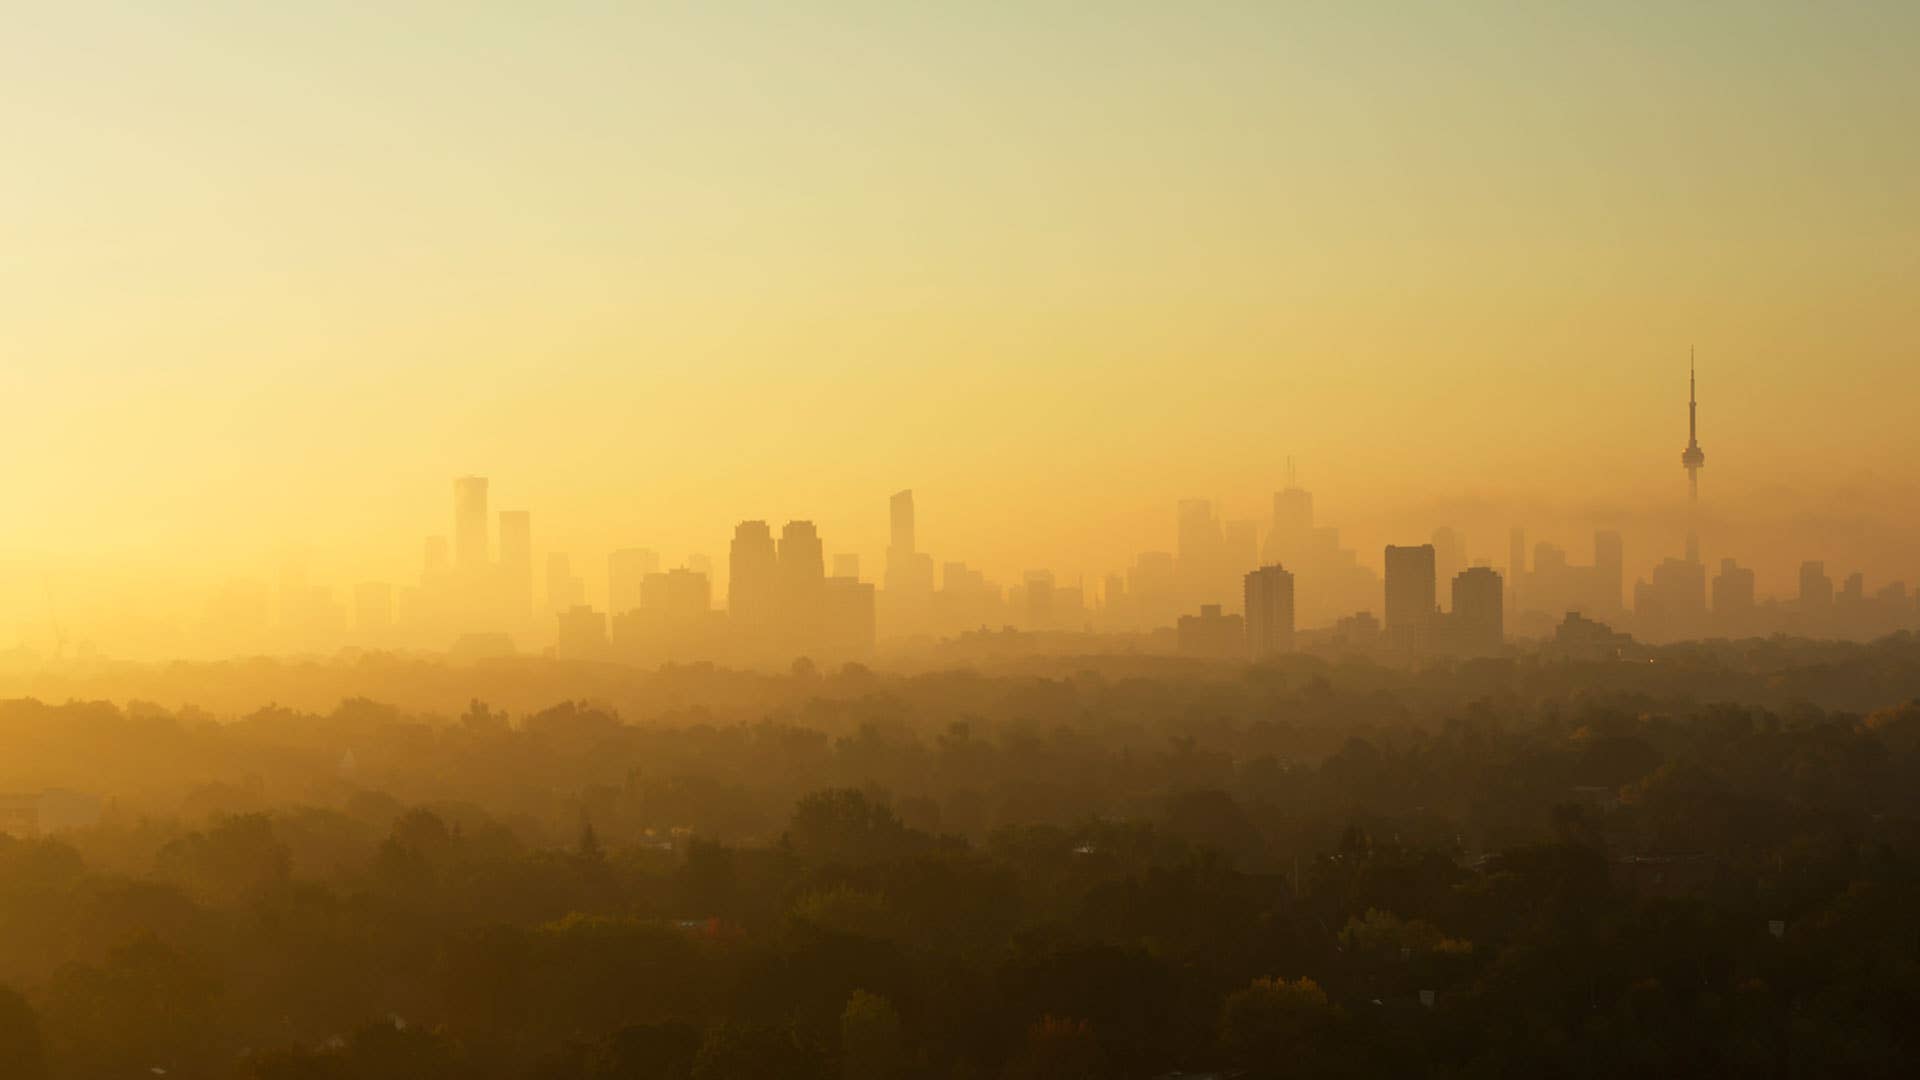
pixel 1692 458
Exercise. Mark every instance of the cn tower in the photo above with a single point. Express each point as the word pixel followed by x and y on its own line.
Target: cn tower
pixel 1692 458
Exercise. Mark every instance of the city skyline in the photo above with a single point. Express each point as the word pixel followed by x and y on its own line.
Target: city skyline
pixel 777 597
pixel 1060 270
pixel 1543 587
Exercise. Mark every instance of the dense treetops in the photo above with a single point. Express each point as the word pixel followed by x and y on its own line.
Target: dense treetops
pixel 1094 871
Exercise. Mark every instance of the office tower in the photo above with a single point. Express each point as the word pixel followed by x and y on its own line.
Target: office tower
pixel 803 561
pixel 1581 638
pixel 627 568
pixel 900 511
pixel 372 607
pixel 1851 616
pixel 1692 458
pixel 847 618
pixel 1070 606
pixel 1200 537
pixel 1242 551
pixel 1153 589
pixel 1816 589
pixel 1553 584
pixel 1410 602
pixel 679 595
pixel 958 577
pixel 1609 570
pixel 753 576
pixel 966 599
pixel 1038 588
pixel 1202 548
pixel 1732 592
pixel 516 563
pixel 582 634
pixel 1449 553
pixel 434 565
pixel 470 525
pixel 1549 560
pixel 1358 632
pixel 803 575
pixel 673 623
pixel 1292 526
pixel 1291 533
pixel 564 589
pixel 1556 585
pixel 1732 596
pixel 909 573
pixel 1894 607
pixel 1329 580
pixel 846 566
pixel 1674 604
pixel 1478 620
pixel 1269 609
pixel 1212 634
pixel 1516 564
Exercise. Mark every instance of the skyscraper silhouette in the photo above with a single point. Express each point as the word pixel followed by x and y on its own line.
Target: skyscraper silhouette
pixel 1516 564
pixel 1479 611
pixel 803 576
pixel 909 571
pixel 1449 553
pixel 753 577
pixel 900 513
pixel 1732 598
pixel 1269 606
pixel 470 525
pixel 627 571
pixel 1816 589
pixel 1410 599
pixel 1609 571
pixel 1202 550
pixel 565 590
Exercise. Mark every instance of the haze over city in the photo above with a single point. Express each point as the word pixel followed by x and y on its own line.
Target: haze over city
pixel 833 540
pixel 273 277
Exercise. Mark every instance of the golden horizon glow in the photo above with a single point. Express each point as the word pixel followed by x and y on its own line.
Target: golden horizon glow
pixel 273 275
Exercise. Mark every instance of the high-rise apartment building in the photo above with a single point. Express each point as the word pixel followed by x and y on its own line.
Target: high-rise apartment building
pixel 1269 611
pixel 1410 598
pixel 753 577
pixel 1478 618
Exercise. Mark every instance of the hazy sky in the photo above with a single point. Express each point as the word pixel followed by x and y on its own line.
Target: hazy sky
pixel 272 274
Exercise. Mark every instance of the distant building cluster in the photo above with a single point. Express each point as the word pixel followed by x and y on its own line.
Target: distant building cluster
pixel 1238 589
